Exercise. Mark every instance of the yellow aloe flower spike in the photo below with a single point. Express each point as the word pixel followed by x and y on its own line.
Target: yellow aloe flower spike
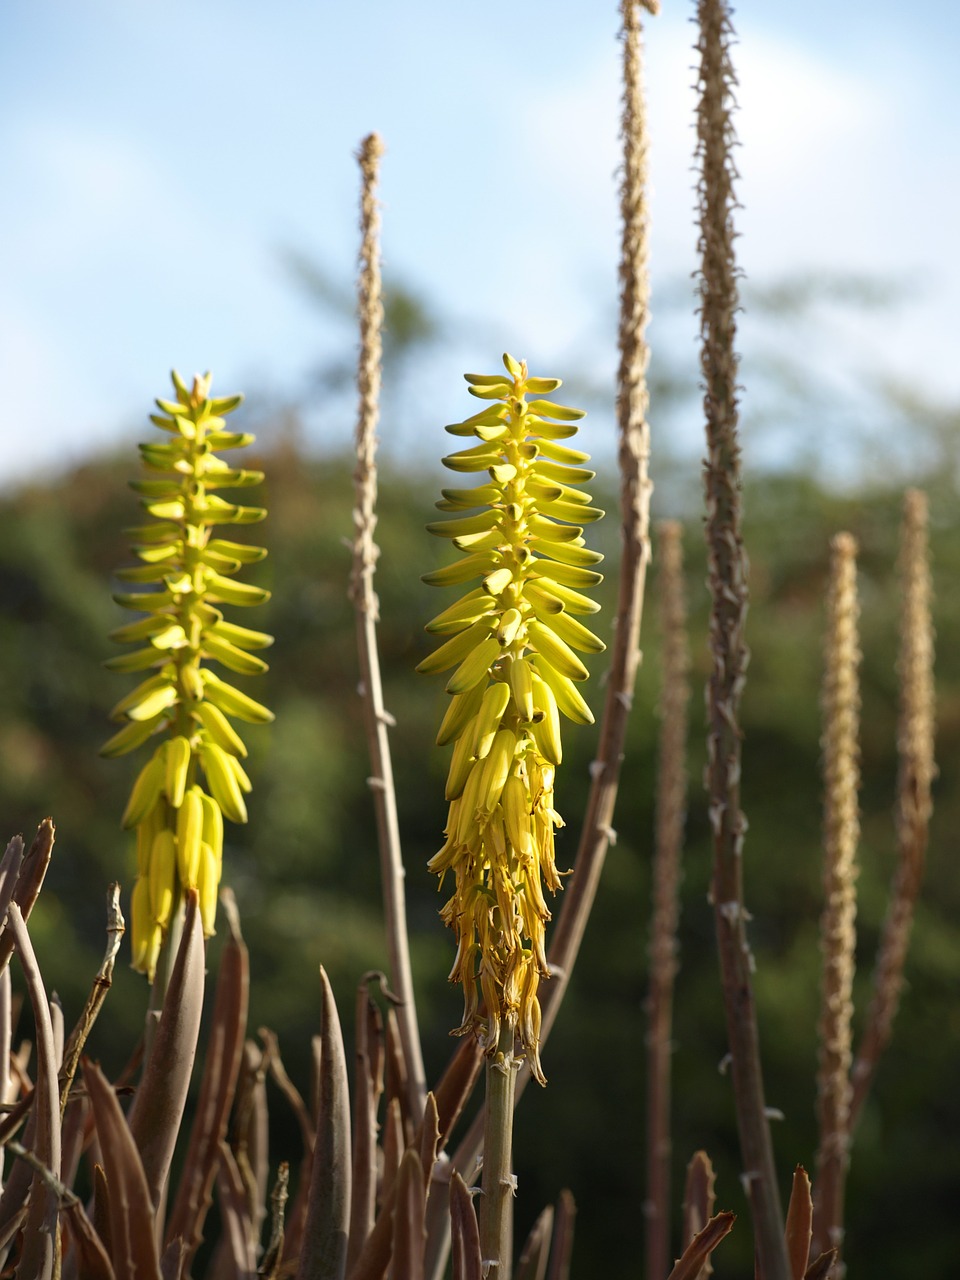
pixel 510 644
pixel 184 575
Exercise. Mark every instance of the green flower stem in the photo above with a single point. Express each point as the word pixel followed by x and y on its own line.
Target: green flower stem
pixel 498 1187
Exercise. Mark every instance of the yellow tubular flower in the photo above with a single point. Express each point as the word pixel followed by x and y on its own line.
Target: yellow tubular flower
pixel 188 573
pixel 510 645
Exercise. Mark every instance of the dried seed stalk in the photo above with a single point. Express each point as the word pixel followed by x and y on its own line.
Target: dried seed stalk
pixel 728 587
pixel 915 745
pixel 671 799
pixel 635 491
pixel 365 554
pixel 841 767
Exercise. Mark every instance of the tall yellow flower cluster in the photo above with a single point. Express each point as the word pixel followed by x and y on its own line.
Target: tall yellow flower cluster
pixel 512 642
pixel 188 574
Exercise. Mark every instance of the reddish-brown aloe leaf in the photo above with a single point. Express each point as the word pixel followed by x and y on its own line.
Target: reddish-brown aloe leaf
pixel 364 1176
pixel 457 1084
pixel 26 887
pixel 278 1073
pixel 536 1249
pixel 392 1148
pixel 133 1247
pixel 101 1207
pixel 323 1254
pixel 408 1232
pixel 799 1230
pixel 220 1071
pixel 429 1140
pixel 173 1260
pixel 296 1218
pixel 10 865
pixel 73 1137
pixel 561 1248
pixel 38 1256
pixel 375 1256
pixel 698 1196
pixel 396 1072
pixel 464 1232
pixel 6 1035
pixel 821 1268
pixel 691 1261
pixel 93 1260
pixel 158 1106
pixel 251 1132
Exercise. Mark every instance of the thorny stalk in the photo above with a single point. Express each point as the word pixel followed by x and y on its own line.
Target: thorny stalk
pixel 366 605
pixel 636 488
pixel 728 588
pixel 841 768
pixel 671 799
pixel 915 746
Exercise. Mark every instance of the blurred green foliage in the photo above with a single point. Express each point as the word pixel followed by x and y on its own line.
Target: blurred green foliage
pixel 305 869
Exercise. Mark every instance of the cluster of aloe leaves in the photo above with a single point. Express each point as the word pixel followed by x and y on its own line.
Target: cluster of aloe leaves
pixel 356 1207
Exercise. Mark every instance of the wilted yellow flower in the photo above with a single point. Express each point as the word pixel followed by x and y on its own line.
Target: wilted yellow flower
pixel 512 642
pixel 188 574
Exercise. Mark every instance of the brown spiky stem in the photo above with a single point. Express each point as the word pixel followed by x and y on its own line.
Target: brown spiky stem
pixel 915 747
pixel 728 589
pixel 366 605
pixel 841 833
pixel 671 801
pixel 635 490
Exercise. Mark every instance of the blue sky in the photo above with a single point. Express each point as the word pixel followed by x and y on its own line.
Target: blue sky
pixel 157 158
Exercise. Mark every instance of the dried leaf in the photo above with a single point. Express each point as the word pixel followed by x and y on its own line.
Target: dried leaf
pixel 324 1252
pixel 158 1106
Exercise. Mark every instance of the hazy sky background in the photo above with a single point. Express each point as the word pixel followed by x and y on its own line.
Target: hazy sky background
pixel 157 159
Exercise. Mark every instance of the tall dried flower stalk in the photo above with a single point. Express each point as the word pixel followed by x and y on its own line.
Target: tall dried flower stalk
pixel 841 767
pixel 728 587
pixel 915 745
pixel 635 491
pixel 366 605
pixel 671 801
